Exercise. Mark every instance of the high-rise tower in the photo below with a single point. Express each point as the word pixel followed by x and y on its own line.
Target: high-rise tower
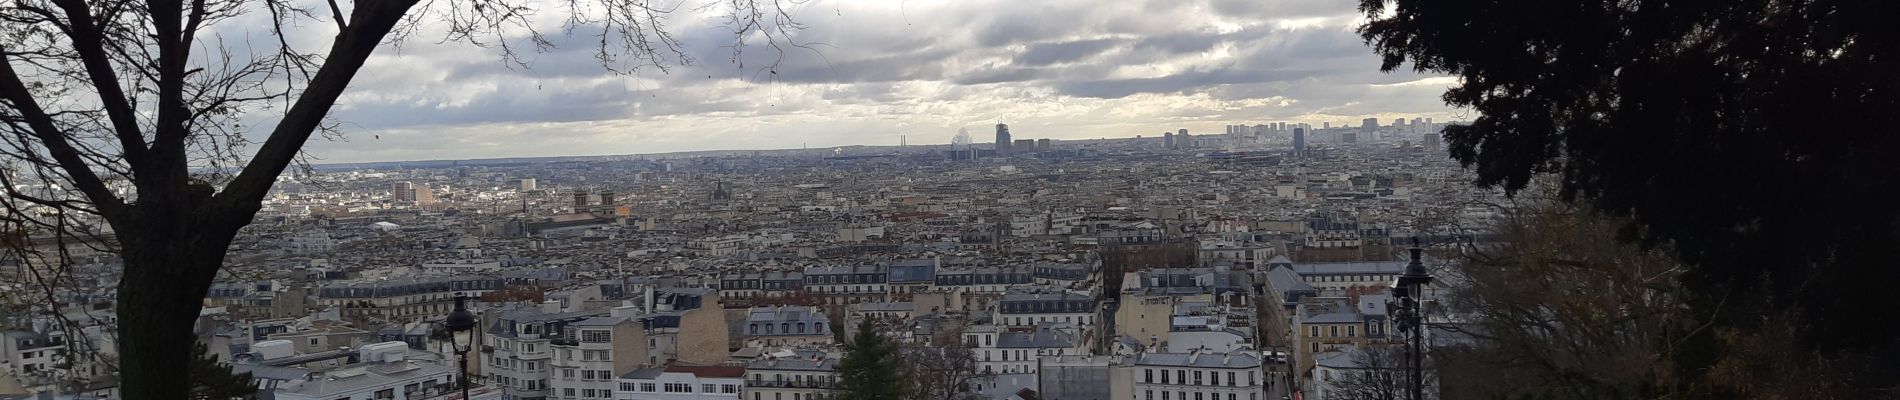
pixel 1002 138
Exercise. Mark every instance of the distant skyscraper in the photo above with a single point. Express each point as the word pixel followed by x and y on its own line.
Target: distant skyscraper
pixel 403 191
pixel 413 193
pixel 1299 140
pixel 1167 139
pixel 1042 144
pixel 1326 125
pixel 1182 140
pixel 1369 123
pixel 1002 138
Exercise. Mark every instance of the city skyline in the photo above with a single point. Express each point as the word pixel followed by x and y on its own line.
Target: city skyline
pixel 877 72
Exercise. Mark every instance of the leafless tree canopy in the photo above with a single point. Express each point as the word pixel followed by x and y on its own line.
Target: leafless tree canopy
pixel 1379 372
pixel 153 129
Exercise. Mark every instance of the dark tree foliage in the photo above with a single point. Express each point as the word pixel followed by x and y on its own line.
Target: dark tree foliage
pixel 871 367
pixel 1754 137
pixel 213 381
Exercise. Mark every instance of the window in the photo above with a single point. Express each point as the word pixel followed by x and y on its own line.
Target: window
pixel 1180 375
pixel 568 374
pixel 1230 379
pixel 1164 395
pixel 624 387
pixel 1332 331
pixel 678 388
pixel 649 388
pixel 1150 378
pixel 1197 395
pixel 1312 331
pixel 1164 380
pixel 385 394
pixel 707 388
pixel 1148 395
pixel 569 392
pixel 596 336
pixel 1214 378
pixel 1352 331
pixel 1197 377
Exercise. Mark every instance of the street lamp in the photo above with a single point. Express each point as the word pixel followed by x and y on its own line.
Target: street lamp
pixel 1409 289
pixel 461 325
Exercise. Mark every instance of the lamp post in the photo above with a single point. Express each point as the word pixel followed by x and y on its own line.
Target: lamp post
pixel 1409 289
pixel 461 325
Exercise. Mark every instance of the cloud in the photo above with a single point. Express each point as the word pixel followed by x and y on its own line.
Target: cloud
pixel 865 72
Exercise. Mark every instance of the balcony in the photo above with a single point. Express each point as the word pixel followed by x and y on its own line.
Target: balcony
pixel 792 384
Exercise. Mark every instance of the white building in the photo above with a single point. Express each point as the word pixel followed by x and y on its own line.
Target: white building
pixel 682 382
pixel 1198 376
pixel 801 377
pixel 384 373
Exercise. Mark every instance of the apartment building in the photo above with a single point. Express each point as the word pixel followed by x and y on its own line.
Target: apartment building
pixel 1197 376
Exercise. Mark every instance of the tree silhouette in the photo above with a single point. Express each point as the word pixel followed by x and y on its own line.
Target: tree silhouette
pixel 213 381
pixel 1751 136
pixel 124 123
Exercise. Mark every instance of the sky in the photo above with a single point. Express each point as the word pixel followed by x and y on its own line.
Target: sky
pixel 872 71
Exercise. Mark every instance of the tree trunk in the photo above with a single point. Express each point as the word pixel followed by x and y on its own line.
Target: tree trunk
pixel 167 271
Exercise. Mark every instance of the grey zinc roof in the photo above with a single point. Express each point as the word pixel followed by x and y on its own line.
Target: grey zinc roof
pixel 793 364
pixel 643 373
pixel 1205 360
pixel 1356 267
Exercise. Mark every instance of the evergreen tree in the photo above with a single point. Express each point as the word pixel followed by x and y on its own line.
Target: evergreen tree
pixel 870 369
pixel 213 381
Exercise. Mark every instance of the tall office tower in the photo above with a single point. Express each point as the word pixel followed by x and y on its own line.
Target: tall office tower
pixel 580 198
pixel 423 195
pixel 1416 121
pixel 1167 139
pixel 1428 121
pixel 1326 125
pixel 1181 138
pixel 1261 130
pixel 1002 138
pixel 1042 144
pixel 1023 145
pixel 1398 122
pixel 1369 123
pixel 527 184
pixel 1299 140
pixel 403 191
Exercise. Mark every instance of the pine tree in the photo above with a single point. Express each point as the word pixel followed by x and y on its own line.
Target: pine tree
pixel 870 370
pixel 213 381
